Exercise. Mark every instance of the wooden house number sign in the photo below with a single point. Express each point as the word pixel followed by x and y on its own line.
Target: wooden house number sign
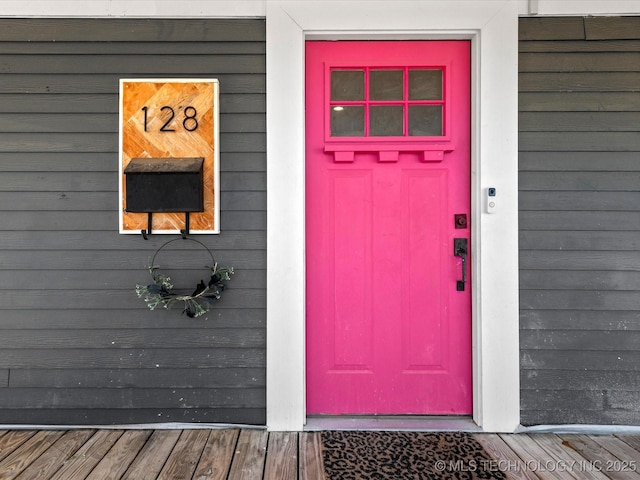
pixel 176 120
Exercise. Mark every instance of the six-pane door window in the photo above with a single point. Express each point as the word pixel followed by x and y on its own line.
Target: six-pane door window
pixel 393 102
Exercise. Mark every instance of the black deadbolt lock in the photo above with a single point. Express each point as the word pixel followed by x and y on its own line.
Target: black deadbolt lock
pixel 460 220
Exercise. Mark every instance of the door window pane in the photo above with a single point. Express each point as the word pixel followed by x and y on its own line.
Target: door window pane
pixel 425 84
pixel 347 121
pixel 347 85
pixel 425 120
pixel 386 121
pixel 386 85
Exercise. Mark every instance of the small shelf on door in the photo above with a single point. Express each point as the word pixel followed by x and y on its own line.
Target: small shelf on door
pixel 387 152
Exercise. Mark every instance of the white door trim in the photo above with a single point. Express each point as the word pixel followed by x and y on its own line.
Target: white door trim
pixel 493 29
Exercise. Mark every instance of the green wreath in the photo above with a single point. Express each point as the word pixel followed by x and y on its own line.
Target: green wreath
pixel 160 291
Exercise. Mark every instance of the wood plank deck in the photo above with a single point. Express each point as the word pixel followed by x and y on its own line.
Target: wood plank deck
pixel 247 454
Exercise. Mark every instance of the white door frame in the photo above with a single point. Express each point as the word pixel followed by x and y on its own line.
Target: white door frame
pixel 492 27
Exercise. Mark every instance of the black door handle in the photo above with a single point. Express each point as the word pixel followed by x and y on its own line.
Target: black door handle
pixel 460 250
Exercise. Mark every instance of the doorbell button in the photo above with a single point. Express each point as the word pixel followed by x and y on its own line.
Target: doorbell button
pixel 491 200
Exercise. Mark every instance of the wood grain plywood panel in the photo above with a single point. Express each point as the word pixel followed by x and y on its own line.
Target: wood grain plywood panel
pixel 172 118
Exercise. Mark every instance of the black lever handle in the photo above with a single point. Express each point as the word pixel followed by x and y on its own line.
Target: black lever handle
pixel 460 250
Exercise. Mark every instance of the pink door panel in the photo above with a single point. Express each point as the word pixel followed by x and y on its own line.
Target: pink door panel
pixel 387 169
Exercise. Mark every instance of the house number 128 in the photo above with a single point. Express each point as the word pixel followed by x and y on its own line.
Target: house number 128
pixel 189 122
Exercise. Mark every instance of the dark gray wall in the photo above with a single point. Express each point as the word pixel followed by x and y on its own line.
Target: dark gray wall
pixel 76 344
pixel 580 220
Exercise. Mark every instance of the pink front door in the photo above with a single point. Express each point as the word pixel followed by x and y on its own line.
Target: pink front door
pixel 387 233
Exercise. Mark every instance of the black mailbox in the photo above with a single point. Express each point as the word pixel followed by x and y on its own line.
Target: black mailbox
pixel 164 185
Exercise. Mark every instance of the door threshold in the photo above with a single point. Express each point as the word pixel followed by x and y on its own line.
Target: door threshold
pixel 410 423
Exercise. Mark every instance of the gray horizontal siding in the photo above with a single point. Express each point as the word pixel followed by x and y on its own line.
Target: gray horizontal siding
pixel 118 318
pixel 573 101
pixel 580 240
pixel 586 319
pixel 559 280
pixel 130 47
pixel 574 62
pixel 611 28
pixel 125 414
pixel 579 82
pixel 140 397
pixel 554 141
pixel 604 361
pixel 138 378
pixel 615 46
pixel 579 28
pixel 579 200
pixel 88 299
pixel 579 121
pixel 73 84
pixel 76 344
pixel 167 358
pixel 579 181
pixel 580 300
pixel 578 161
pixel 182 64
pixel 131 30
pixel 597 340
pixel 70 279
pixel 567 220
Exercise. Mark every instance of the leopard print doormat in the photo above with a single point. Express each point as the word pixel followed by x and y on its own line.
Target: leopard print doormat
pixel 357 455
